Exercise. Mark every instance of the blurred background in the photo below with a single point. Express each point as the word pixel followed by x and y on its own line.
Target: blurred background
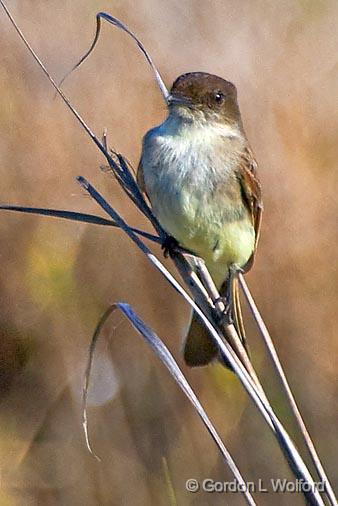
pixel 57 277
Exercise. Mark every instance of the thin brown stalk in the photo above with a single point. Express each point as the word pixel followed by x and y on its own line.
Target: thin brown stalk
pixel 288 392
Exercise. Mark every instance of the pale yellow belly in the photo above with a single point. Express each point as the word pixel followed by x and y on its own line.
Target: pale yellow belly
pixel 212 230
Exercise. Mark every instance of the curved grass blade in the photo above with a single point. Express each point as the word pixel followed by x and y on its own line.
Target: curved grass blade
pixel 168 360
pixel 116 22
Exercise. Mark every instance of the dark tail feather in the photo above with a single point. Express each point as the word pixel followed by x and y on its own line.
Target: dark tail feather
pixel 199 348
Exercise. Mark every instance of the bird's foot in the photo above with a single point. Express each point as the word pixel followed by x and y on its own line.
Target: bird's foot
pixel 235 269
pixel 169 245
pixel 225 315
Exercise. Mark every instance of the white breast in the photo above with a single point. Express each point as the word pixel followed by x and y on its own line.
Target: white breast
pixel 179 153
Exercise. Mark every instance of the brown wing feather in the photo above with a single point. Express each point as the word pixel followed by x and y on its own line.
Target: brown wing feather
pixel 252 195
pixel 140 178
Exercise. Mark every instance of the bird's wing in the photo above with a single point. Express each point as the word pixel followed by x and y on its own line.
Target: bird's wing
pixel 252 195
pixel 140 178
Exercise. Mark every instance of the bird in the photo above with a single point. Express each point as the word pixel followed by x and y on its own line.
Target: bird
pixel 199 173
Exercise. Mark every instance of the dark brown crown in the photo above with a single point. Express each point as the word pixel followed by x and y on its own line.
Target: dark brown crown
pixel 209 93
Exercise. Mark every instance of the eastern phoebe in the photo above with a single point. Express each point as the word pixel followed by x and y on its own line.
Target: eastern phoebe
pixel 199 174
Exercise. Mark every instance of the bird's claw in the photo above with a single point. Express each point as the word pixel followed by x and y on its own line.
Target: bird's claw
pixel 235 269
pixel 169 245
pixel 225 316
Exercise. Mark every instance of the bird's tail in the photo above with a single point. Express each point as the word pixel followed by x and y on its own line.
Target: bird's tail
pixel 199 347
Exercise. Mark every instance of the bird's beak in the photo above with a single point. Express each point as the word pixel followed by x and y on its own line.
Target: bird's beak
pixel 176 100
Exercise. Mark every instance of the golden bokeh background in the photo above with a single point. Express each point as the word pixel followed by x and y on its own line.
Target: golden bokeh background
pixel 57 277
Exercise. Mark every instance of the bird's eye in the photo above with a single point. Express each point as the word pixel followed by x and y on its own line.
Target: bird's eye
pixel 219 97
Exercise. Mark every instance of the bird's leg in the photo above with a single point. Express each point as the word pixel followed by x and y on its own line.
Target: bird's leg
pixel 225 315
pixel 222 303
pixel 227 297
